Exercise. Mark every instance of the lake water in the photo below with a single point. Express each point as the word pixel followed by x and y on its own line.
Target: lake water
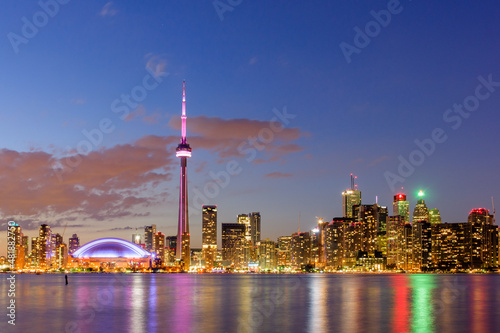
pixel 253 303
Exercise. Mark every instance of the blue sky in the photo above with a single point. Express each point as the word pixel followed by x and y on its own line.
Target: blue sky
pixel 349 117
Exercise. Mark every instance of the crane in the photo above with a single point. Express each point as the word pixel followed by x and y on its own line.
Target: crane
pixel 493 204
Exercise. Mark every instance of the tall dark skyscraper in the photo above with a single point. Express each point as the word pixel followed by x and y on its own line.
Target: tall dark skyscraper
pixel 183 151
pixel 209 235
pixel 74 243
pixel 254 228
pixel 149 233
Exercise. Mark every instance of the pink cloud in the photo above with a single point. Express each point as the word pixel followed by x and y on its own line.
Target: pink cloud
pixel 278 175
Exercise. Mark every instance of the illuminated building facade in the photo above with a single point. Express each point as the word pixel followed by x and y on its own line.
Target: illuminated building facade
pixel 434 216
pixel 421 243
pixel 421 212
pixel 484 239
pixel 451 246
pixel 368 218
pixel 267 254
pixel 149 233
pixel 234 243
pixel 395 240
pixel 183 151
pixel 159 248
pixel 401 207
pixel 285 251
pixel 19 249
pixel 209 235
pixel 350 197
pixel 74 244
pixel 44 243
pixel 301 249
pixel 255 220
pixel 335 244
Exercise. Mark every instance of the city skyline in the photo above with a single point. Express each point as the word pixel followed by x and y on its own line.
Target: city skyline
pixel 78 85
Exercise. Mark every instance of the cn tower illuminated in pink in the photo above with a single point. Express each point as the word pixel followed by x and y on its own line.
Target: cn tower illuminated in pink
pixel 183 251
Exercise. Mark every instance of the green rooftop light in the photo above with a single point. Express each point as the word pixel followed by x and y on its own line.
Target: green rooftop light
pixel 420 193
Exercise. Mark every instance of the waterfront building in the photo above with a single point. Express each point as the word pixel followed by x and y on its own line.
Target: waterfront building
pixel 350 198
pixel 149 232
pixel 395 240
pixel 111 254
pixel 285 251
pixel 159 248
pixel 301 249
pixel 421 243
pixel 267 254
pixel 401 207
pixel 74 244
pixel 234 244
pixel 44 246
pixel 484 239
pixel 209 235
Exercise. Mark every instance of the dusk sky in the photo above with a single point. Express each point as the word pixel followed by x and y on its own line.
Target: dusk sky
pixel 91 99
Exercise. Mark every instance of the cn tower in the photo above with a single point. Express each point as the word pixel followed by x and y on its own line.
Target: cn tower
pixel 183 251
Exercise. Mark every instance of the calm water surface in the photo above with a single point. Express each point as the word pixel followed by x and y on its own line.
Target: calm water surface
pixel 254 303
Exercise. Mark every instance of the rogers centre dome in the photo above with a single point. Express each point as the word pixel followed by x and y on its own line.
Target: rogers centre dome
pixel 110 248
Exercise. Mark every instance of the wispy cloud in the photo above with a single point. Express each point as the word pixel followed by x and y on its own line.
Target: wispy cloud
pixel 156 64
pixel 108 10
pixel 379 160
pixel 278 175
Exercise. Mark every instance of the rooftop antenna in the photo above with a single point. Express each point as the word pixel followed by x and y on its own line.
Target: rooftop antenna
pixel 353 182
pixel 376 199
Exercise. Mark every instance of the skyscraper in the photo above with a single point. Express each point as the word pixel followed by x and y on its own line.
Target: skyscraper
pixel 484 239
pixel 183 151
pixel 401 207
pixel 44 246
pixel 254 228
pixel 245 219
pixel 350 197
pixel 18 246
pixel 301 249
pixel 420 213
pixel 74 243
pixel 209 235
pixel 434 216
pixel 149 233
pixel 234 243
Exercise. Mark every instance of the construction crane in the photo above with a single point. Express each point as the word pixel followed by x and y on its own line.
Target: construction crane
pixel 493 204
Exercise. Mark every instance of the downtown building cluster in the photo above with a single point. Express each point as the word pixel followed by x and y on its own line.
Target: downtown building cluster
pixel 48 251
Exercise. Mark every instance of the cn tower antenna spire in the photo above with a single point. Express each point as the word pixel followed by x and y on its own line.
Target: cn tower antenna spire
pixel 183 116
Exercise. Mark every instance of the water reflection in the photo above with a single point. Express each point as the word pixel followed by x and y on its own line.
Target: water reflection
pixel 422 307
pixel 401 311
pixel 318 315
pixel 258 303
